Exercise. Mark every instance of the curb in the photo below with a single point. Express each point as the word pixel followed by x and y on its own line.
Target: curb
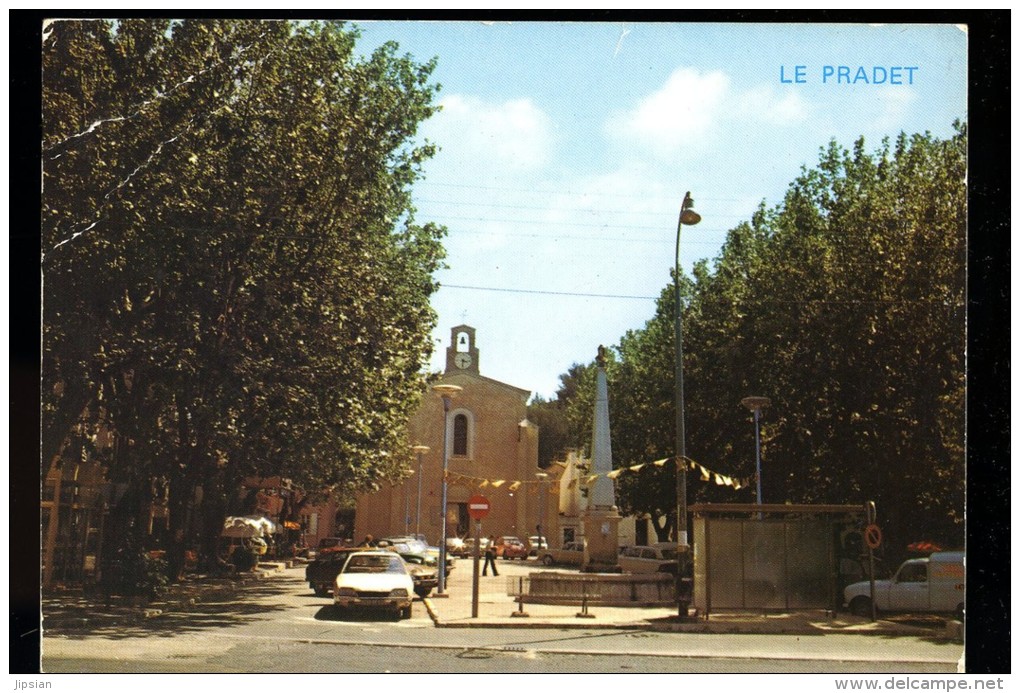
pixel 950 633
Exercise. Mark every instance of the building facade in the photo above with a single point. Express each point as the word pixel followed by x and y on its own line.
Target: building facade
pixel 493 451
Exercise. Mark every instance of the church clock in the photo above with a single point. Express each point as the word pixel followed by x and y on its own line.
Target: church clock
pixel 462 354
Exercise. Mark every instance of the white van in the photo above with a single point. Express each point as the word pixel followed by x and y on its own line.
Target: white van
pixel 934 584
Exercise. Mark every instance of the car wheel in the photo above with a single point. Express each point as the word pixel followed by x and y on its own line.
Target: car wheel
pixel 423 592
pixel 547 560
pixel 320 591
pixel 861 606
pixel 406 613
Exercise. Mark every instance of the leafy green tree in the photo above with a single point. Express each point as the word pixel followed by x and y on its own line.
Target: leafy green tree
pixel 551 419
pixel 234 276
pixel 845 305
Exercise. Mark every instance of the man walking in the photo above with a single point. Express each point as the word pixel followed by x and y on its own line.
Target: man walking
pixel 490 558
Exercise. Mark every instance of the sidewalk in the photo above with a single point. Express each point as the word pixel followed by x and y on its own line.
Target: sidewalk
pixel 75 610
pixel 496 609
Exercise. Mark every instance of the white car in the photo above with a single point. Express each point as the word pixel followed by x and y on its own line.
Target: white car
pixel 648 559
pixel 572 553
pixel 375 580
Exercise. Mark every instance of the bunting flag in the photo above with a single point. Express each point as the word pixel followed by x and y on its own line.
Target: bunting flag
pixel 532 486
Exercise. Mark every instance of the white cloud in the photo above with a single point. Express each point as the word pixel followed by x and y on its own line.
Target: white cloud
pixel 684 109
pixel 692 109
pixel 514 134
pixel 894 104
pixel 766 103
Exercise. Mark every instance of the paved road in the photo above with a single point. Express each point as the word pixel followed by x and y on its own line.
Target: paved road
pixel 281 627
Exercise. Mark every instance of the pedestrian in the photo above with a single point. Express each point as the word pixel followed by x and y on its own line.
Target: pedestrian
pixel 490 558
pixel 368 542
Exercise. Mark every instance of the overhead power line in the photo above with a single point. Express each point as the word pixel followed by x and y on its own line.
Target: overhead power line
pixel 819 301
pixel 545 293
pixel 559 191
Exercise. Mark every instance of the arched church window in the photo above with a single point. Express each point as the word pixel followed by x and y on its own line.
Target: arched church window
pixel 460 435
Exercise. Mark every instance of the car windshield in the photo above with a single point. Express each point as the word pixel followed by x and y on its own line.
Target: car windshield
pixel 366 563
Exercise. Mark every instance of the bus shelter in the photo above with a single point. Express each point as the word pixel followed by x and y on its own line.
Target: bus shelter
pixel 770 557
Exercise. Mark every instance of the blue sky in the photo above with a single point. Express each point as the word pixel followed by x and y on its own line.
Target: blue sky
pixel 566 149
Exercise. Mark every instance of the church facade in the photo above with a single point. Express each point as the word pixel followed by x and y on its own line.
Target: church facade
pixel 492 449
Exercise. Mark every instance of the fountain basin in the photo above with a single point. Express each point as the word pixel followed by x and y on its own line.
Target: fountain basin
pixel 609 589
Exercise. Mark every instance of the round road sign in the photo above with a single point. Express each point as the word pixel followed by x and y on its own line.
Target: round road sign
pixel 478 507
pixel 873 536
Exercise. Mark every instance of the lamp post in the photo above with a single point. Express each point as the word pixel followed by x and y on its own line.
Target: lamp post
pixel 756 404
pixel 447 393
pixel 541 476
pixel 420 450
pixel 689 217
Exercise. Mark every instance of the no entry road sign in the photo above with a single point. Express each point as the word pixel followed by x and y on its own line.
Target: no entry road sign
pixel 478 507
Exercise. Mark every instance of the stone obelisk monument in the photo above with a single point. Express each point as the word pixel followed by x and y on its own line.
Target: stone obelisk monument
pixel 601 518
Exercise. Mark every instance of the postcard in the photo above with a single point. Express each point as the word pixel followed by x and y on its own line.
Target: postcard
pixel 504 346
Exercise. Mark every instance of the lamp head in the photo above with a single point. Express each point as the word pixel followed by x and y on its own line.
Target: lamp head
pixel 689 217
pixel 445 391
pixel 421 449
pixel 756 403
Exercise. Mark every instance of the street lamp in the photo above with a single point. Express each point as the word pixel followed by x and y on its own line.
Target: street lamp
pixel 447 392
pixel 756 404
pixel 420 450
pixel 689 217
pixel 541 476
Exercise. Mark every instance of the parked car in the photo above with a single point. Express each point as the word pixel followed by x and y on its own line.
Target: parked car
pixel 433 551
pixel 321 573
pixel 469 546
pixel 934 584
pixel 455 546
pixel 375 580
pixel 536 544
pixel 647 559
pixel 424 571
pixel 332 543
pixel 572 553
pixel 413 543
pixel 509 548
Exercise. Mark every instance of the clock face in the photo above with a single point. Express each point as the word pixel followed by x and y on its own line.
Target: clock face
pixel 462 360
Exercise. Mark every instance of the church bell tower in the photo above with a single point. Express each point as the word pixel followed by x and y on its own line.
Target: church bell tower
pixel 462 354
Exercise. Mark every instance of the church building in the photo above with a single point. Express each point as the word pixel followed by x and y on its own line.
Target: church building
pixel 493 451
